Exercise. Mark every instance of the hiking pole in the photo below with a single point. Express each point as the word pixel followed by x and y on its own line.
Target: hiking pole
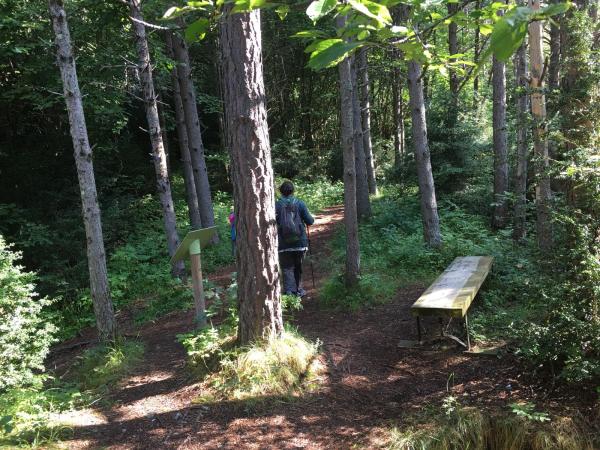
pixel 310 256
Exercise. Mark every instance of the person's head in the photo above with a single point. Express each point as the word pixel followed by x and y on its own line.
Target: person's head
pixel 286 188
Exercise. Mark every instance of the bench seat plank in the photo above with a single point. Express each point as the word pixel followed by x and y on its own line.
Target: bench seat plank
pixel 453 291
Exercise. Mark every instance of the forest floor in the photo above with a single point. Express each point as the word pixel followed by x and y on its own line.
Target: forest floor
pixel 368 385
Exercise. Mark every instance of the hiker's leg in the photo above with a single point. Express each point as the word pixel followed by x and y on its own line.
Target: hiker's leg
pixel 298 259
pixel 286 260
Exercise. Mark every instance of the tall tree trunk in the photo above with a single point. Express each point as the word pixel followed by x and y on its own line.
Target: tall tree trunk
pixel 182 136
pixel 522 144
pixel 163 131
pixel 398 109
pixel 259 291
pixel 553 82
pixel 365 107
pixel 540 142
pixel 453 76
pixel 192 121
pixel 363 203
pixel 477 51
pixel 158 151
pixel 500 213
pixel 429 212
pixel 96 256
pixel 347 145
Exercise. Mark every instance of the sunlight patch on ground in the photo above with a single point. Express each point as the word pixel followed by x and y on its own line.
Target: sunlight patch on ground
pixel 78 418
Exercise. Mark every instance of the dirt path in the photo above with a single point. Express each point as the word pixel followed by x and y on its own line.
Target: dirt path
pixel 368 383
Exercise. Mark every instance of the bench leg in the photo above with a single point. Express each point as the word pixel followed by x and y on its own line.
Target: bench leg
pixel 467 330
pixel 419 328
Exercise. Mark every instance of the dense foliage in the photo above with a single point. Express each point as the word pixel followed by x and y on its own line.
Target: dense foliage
pixel 25 334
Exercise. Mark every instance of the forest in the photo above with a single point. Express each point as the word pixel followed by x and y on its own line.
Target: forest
pixel 422 136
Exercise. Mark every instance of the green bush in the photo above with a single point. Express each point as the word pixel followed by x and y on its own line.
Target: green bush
pixel 25 335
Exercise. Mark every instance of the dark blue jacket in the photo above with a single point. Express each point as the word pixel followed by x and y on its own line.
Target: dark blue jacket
pixel 304 215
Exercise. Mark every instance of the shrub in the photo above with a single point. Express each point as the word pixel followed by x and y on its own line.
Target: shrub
pixel 25 336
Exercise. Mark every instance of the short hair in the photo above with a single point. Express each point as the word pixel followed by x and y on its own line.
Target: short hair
pixel 286 188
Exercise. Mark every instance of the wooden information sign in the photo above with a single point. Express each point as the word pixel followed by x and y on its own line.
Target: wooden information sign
pixel 192 245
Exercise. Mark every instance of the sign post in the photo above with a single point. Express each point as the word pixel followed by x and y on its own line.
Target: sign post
pixel 192 245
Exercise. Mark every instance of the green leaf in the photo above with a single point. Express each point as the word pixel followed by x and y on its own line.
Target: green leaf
pixel 309 34
pixel 242 6
pixel 373 10
pixel 172 12
pixel 509 33
pixel 399 29
pixel 197 30
pixel 282 11
pixel 554 9
pixel 320 8
pixel 199 5
pixel 485 29
pixel 330 52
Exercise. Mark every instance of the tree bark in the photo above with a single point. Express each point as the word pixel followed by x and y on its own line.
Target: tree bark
pixel 363 203
pixel 538 111
pixel 452 75
pixel 158 151
pixel 182 136
pixel 259 291
pixel 347 138
pixel 398 112
pixel 500 212
pixel 96 256
pixel 365 105
pixel 431 221
pixel 522 144
pixel 196 146
pixel 477 51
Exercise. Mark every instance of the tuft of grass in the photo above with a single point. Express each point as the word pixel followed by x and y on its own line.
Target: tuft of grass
pixel 472 429
pixel 281 366
pixel 104 365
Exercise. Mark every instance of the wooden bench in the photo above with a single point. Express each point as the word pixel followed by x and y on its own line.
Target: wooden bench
pixel 452 293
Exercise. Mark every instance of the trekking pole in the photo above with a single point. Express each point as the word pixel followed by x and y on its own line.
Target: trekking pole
pixel 310 255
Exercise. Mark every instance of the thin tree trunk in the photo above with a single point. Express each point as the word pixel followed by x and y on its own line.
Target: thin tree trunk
pixel 500 213
pixel 553 81
pixel 452 75
pixel 163 131
pixel 476 59
pixel 196 146
pixel 96 256
pixel 259 291
pixel 365 105
pixel 182 136
pixel 522 145
pixel 398 109
pixel 347 139
pixel 363 203
pixel 158 151
pixel 538 111
pixel 431 221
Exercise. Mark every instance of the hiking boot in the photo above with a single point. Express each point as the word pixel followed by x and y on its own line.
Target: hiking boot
pixel 301 293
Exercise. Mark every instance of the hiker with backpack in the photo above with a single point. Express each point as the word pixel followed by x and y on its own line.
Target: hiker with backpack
pixel 292 219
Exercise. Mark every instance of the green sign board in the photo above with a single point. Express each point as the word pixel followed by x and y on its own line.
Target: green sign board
pixel 193 242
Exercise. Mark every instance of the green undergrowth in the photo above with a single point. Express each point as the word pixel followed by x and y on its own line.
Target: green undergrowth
pixel 33 415
pixel 452 427
pixel 546 309
pixel 393 253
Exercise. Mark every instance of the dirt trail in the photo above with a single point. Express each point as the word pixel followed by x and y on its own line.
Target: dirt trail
pixel 368 382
